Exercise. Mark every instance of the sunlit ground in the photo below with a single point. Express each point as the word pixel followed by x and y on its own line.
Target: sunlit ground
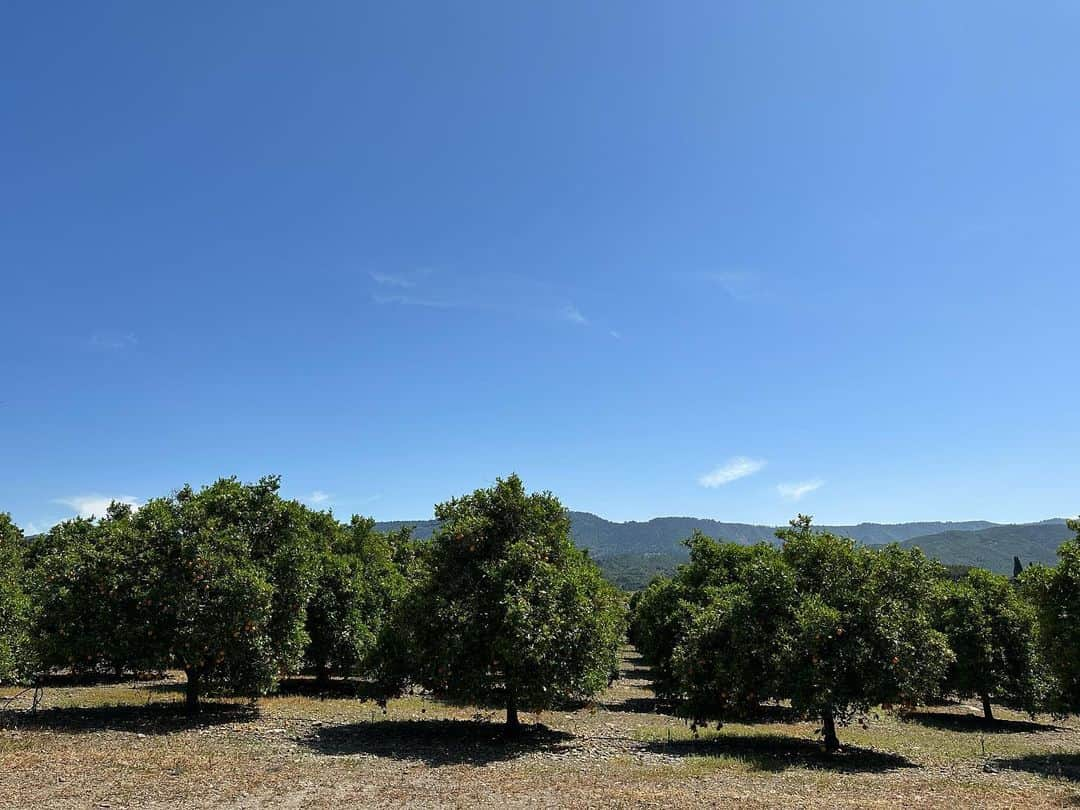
pixel 130 745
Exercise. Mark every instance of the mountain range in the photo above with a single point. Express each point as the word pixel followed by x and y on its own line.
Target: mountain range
pixel 656 545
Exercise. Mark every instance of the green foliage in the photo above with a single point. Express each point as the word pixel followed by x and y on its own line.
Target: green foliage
pixel 215 582
pixel 275 536
pixel 89 610
pixel 680 625
pixel 1055 592
pixel 732 654
pixel 832 626
pixel 15 654
pixel 658 617
pixel 507 608
pixel 992 633
pixel 231 568
pixel 634 572
pixel 211 599
pixel 956 572
pixel 357 586
pixel 661 614
pixel 862 631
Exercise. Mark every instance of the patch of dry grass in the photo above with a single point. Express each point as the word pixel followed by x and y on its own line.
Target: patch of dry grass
pixel 129 745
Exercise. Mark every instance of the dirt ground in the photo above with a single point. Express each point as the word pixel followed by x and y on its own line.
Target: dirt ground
pixel 129 745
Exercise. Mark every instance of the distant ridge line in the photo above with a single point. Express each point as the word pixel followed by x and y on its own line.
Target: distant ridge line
pixel 966 542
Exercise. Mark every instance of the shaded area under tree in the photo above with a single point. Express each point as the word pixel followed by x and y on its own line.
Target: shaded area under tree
pixel 975 723
pixel 778 752
pixel 1059 766
pixel 437 742
pixel 150 719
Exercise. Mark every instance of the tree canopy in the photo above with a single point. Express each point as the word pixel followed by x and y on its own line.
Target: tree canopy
pixel 1055 592
pixel 15 656
pixel 862 632
pixel 823 622
pixel 357 586
pixel 89 591
pixel 507 608
pixel 731 656
pixel 992 633
pixel 213 581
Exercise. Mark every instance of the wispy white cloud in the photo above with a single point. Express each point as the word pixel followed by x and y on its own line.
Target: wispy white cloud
pixel 573 314
pixel 503 293
pixel 316 497
pixel 795 491
pixel 740 285
pixel 392 280
pixel 96 505
pixel 113 341
pixel 412 301
pixel 731 470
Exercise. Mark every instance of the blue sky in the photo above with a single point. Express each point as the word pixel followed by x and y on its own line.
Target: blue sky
pixel 732 260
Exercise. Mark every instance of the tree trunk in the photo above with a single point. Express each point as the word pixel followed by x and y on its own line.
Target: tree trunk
pixel 828 727
pixel 988 712
pixel 194 690
pixel 322 676
pixel 513 725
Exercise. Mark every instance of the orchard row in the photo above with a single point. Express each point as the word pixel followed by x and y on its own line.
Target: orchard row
pixel 835 628
pixel 239 587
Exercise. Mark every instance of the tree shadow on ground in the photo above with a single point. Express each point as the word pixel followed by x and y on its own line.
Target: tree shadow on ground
pixel 634 668
pixel 762 715
pixel 176 687
pixel 336 688
pixel 71 679
pixel 778 752
pixel 492 708
pixel 772 713
pixel 974 723
pixel 640 705
pixel 436 742
pixel 149 719
pixel 1061 766
pixel 305 687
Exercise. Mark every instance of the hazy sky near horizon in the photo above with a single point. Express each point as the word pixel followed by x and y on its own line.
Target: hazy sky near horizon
pixel 730 260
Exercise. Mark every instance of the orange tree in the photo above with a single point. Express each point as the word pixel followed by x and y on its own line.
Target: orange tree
pixel 992 632
pixel 860 632
pixel 659 616
pixel 89 612
pixel 15 652
pixel 228 572
pixel 707 599
pixel 357 585
pixel 731 653
pixel 827 624
pixel 1055 592
pixel 506 608
pixel 214 581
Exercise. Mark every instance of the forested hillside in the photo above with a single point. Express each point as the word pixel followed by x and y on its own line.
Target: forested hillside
pixel 604 538
pixel 631 553
pixel 994 547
